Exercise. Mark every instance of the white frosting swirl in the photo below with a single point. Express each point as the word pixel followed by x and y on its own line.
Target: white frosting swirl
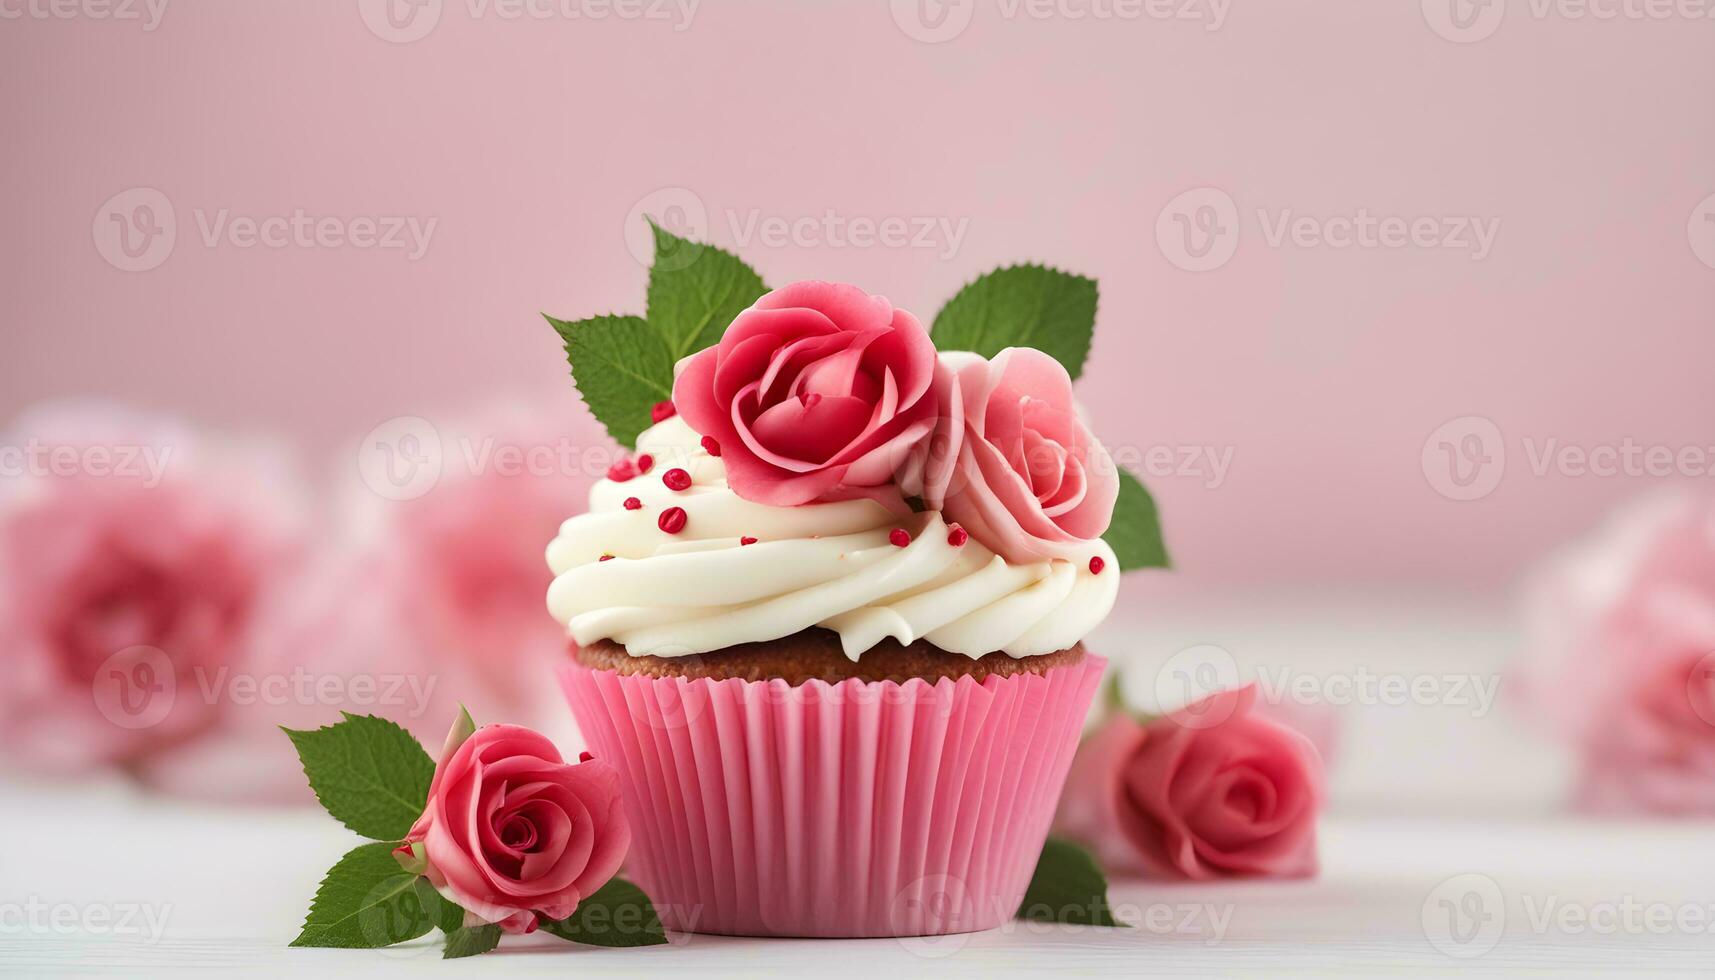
pixel 829 565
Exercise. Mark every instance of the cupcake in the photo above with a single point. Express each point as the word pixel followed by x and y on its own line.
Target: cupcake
pixel 828 622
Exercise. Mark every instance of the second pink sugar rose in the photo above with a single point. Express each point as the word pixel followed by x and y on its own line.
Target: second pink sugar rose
pixel 1210 791
pixel 821 391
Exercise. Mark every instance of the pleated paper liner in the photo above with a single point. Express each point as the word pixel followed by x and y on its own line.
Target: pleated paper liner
pixel 850 809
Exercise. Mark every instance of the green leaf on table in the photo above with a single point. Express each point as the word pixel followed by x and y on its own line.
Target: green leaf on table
pixel 452 916
pixel 369 773
pixel 622 367
pixel 471 940
pixel 1067 887
pixel 618 914
pixel 1135 531
pixel 1022 306
pixel 366 902
pixel 695 291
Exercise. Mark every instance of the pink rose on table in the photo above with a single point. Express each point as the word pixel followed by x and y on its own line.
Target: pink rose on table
pixel 815 392
pixel 1622 659
pixel 1209 791
pixel 1011 461
pixel 511 831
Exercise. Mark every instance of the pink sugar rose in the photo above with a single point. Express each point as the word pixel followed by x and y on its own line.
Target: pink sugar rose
pixel 133 562
pixel 1011 461
pixel 813 393
pixel 511 831
pixel 1209 791
pixel 1622 659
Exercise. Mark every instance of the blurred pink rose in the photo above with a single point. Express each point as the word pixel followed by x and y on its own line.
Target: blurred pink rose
pixel 511 830
pixel 817 390
pixel 1011 461
pixel 133 562
pixel 1209 791
pixel 416 606
pixel 1622 658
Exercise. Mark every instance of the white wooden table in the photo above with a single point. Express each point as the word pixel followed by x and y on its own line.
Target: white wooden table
pixel 1436 807
pixel 227 887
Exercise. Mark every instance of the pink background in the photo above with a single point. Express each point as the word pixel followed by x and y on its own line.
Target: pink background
pixel 532 141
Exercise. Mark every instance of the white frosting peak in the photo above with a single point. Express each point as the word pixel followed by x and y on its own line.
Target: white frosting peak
pixel 829 565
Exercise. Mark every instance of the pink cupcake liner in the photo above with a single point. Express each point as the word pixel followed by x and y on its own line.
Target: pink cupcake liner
pixel 849 809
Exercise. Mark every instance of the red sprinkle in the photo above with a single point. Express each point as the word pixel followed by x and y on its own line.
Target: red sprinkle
pixel 1097 564
pixel 585 756
pixel 747 539
pixel 605 558
pixel 899 537
pixel 662 411
pixel 645 463
pixel 622 471
pixel 676 479
pixel 672 520
pixel 958 536
pixel 632 503
pixel 711 446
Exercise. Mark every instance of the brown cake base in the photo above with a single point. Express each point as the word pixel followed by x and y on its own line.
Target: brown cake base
pixel 816 654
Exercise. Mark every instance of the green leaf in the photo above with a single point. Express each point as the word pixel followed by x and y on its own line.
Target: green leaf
pixel 452 916
pixel 618 914
pixel 695 291
pixel 469 941
pixel 366 901
pixel 1135 531
pixel 1067 887
pixel 622 367
pixel 1022 306
pixel 369 773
